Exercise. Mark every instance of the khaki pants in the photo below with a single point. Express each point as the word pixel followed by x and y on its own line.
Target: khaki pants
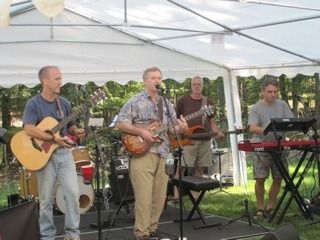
pixel 149 182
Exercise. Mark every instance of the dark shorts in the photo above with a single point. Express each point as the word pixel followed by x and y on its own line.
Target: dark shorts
pixel 263 163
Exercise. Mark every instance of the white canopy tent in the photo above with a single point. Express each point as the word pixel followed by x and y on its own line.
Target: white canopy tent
pixel 116 40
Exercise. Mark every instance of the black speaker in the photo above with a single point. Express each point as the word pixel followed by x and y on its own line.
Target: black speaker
pixel 20 222
pixel 283 233
pixel 120 183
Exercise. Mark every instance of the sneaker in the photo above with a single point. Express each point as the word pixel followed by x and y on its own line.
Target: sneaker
pixel 156 236
pixel 144 237
pixel 259 214
pixel 268 213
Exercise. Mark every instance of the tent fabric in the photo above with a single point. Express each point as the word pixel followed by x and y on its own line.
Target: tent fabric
pixel 115 40
pixel 105 40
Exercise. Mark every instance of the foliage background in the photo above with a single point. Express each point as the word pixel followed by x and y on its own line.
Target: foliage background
pixel 302 93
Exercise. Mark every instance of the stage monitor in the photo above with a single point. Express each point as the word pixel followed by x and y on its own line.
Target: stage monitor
pixel 289 124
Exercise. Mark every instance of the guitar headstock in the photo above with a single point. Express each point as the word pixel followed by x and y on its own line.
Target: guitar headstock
pixel 207 110
pixel 97 96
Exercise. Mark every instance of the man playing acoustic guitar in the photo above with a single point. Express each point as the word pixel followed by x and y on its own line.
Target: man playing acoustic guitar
pixel 60 166
pixel 198 155
pixel 145 112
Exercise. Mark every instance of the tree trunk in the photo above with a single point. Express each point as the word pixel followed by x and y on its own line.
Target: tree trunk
pixel 283 88
pixel 296 93
pixel 317 99
pixel 6 114
pixel 243 84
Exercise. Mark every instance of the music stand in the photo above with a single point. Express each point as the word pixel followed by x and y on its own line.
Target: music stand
pixel 289 124
pixel 219 152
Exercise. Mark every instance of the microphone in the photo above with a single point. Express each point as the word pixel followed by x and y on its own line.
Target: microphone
pixel 160 88
pixel 3 136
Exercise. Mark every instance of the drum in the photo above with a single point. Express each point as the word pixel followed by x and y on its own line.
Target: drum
pixel 28 183
pixel 81 156
pixel 85 199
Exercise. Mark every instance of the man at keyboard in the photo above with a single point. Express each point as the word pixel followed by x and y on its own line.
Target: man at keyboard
pixel 259 118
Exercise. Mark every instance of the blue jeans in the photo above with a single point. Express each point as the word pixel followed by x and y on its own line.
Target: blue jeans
pixel 59 169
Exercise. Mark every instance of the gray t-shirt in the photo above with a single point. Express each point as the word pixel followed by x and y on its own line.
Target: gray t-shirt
pixel 260 114
pixel 37 108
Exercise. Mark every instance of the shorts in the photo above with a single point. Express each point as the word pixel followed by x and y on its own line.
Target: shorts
pixel 263 163
pixel 199 154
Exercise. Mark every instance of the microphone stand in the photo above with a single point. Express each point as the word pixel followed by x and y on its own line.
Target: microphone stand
pixel 180 150
pixel 99 157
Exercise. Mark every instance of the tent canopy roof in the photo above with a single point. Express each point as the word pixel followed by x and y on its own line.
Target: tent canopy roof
pixel 116 40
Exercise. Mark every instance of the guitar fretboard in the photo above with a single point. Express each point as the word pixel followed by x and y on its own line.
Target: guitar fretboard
pixel 193 115
pixel 97 96
pixel 68 119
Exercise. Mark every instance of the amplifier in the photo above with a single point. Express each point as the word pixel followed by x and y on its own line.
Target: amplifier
pixel 120 181
pixel 120 164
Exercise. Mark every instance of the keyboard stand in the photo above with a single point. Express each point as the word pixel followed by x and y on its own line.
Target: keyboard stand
pixel 292 187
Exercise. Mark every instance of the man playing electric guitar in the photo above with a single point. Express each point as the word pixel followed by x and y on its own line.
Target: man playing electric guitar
pixel 60 166
pixel 147 168
pixel 198 155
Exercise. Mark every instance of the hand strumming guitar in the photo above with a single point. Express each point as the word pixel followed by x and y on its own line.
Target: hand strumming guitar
pixel 148 136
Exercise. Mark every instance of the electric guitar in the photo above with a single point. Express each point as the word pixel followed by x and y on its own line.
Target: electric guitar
pixel 34 153
pixel 136 146
pixel 187 138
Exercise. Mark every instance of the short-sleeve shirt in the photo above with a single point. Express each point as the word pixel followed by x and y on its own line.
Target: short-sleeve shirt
pixel 37 108
pixel 140 109
pixel 260 114
pixel 186 105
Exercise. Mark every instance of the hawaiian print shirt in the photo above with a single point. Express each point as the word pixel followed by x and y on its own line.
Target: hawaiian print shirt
pixel 142 110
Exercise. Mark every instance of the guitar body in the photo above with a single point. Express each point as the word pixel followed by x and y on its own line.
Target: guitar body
pixel 135 145
pixel 33 153
pixel 185 140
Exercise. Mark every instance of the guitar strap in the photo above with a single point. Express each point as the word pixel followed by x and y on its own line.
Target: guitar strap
pixel 205 119
pixel 160 109
pixel 59 107
pixel 204 103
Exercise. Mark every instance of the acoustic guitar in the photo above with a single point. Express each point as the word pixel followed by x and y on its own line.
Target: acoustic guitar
pixel 33 153
pixel 136 146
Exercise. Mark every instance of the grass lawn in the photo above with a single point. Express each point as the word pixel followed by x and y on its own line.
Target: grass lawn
pixel 232 205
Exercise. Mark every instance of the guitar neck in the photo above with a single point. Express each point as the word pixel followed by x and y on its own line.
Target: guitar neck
pixel 202 111
pixel 68 119
pixel 193 115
